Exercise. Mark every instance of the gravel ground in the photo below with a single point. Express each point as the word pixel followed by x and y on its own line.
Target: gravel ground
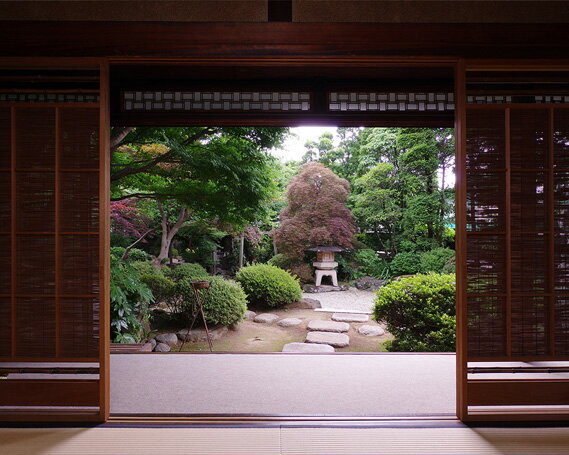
pixel 351 300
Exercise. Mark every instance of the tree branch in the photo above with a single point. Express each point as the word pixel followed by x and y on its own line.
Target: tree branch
pixel 132 245
pixel 161 158
pixel 119 133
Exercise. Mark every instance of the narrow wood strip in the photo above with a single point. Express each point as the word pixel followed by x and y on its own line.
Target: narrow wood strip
pixel 56 233
pixel 551 236
pixel 13 226
pixel 508 236
pixel 460 246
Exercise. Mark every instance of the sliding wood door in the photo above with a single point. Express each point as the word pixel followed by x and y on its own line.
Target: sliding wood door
pixel 514 270
pixel 53 243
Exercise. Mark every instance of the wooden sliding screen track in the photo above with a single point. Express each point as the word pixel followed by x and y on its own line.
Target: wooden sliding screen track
pixel 514 305
pixel 53 228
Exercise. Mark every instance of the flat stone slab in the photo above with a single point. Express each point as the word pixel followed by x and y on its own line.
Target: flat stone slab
pixel 350 317
pixel 371 330
pixel 289 322
pixel 307 347
pixel 311 289
pixel 328 326
pixel 266 318
pixel 338 340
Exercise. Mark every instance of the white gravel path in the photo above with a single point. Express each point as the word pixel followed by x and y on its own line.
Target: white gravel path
pixel 351 300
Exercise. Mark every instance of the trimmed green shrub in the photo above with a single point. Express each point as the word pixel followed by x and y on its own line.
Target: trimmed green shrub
pixel 189 271
pixel 281 261
pixel 163 289
pixel 146 268
pixel 435 260
pixel 404 264
pixel 450 265
pixel 420 312
pixel 370 264
pixel 268 286
pixel 223 302
pixel 135 255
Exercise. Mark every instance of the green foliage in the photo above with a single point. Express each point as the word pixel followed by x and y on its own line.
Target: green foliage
pixel 370 264
pixel 191 272
pixel 420 312
pixel 268 286
pixel 450 266
pixel 134 254
pixel 146 268
pixel 405 264
pixel 224 302
pixel 129 301
pixel 281 261
pixel 435 260
pixel 163 289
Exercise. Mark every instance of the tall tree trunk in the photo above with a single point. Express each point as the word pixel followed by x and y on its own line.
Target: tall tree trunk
pixel 168 232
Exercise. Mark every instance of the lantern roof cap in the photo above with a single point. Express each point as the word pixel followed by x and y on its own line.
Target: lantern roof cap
pixel 331 249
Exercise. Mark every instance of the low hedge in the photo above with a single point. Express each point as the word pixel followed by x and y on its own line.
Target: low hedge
pixel 224 302
pixel 420 312
pixel 189 271
pixel 268 286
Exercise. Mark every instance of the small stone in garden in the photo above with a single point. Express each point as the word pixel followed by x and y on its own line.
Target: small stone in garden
pixel 307 347
pixel 146 347
pixel 249 315
pixel 304 304
pixel 371 330
pixel 338 340
pixel 368 283
pixel 350 317
pixel 167 338
pixel 266 318
pixel 328 326
pixel 162 347
pixel 234 327
pixel 289 322
pixel 152 341
pixel 312 289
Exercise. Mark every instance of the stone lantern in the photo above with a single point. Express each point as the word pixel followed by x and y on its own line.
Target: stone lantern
pixel 325 264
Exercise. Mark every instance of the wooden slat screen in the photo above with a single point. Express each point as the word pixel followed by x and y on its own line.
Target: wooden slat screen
pixel 517 254
pixel 50 231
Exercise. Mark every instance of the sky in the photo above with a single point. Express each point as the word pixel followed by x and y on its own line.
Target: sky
pixel 293 147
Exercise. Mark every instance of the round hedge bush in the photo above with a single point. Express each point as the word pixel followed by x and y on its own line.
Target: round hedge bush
pixel 420 312
pixel 188 271
pixel 223 302
pixel 268 286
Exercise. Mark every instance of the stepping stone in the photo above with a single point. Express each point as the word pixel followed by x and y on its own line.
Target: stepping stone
pixel 249 315
pixel 171 339
pixel 350 317
pixel 266 318
pixel 371 330
pixel 289 322
pixel 306 347
pixel 338 340
pixel 305 304
pixel 328 326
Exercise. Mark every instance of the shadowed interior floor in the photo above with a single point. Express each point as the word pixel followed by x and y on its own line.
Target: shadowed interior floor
pixel 283 384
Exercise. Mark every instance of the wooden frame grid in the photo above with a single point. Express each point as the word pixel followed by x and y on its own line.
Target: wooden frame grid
pixel 72 392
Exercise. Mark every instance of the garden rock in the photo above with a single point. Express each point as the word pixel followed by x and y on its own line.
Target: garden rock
pixel 311 289
pixel 146 347
pixel 371 330
pixel 249 315
pixel 200 335
pixel 266 318
pixel 168 338
pixel 338 340
pixel 305 304
pixel 368 283
pixel 307 347
pixel 152 341
pixel 162 347
pixel 289 322
pixel 328 326
pixel 350 317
